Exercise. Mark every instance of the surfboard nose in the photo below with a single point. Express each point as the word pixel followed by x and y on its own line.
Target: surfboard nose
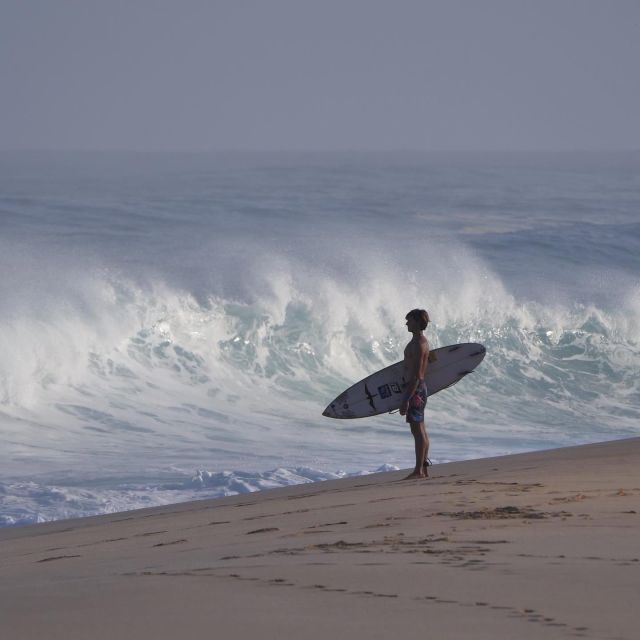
pixel 331 411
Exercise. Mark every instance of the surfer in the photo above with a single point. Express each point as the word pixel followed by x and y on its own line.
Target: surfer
pixel 416 357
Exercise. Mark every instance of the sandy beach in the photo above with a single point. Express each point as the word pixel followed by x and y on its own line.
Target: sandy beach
pixel 537 545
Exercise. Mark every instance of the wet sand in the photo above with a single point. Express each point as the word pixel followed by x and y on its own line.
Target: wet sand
pixel 537 545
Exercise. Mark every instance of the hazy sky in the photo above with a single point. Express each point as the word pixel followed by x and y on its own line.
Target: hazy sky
pixel 323 74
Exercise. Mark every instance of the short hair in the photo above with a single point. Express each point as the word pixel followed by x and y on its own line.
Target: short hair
pixel 420 315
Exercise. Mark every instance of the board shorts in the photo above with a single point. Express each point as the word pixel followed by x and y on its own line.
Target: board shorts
pixel 417 403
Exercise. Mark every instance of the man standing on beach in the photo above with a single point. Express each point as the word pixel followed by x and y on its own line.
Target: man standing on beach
pixel 416 357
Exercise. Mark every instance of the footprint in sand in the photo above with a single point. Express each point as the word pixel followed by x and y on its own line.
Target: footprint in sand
pixel 167 544
pixel 58 558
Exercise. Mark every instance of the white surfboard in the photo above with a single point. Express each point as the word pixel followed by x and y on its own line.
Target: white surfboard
pixel 383 391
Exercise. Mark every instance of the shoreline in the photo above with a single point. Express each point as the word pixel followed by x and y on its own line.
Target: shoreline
pixel 262 476
pixel 529 545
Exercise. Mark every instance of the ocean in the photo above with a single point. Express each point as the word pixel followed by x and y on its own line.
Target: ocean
pixel 172 325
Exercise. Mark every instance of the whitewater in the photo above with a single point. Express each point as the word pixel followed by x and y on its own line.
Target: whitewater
pixel 172 325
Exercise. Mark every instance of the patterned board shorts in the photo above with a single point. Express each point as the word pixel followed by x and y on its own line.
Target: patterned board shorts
pixel 417 403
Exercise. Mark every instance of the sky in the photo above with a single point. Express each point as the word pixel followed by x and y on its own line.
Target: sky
pixel 207 75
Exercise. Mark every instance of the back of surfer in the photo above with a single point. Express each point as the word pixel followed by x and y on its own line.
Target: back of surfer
pixel 416 358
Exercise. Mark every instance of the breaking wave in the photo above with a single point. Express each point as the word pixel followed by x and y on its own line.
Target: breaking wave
pixel 121 366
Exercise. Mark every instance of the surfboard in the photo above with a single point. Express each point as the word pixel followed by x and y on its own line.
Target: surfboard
pixel 383 391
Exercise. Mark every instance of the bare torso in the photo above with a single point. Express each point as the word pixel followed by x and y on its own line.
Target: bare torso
pixel 416 357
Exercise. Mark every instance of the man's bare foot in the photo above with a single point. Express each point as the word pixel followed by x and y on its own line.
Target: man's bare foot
pixel 415 475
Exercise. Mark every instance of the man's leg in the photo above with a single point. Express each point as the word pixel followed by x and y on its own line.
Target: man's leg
pixel 425 464
pixel 420 438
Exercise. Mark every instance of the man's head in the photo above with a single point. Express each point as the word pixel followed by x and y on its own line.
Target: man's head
pixel 417 320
